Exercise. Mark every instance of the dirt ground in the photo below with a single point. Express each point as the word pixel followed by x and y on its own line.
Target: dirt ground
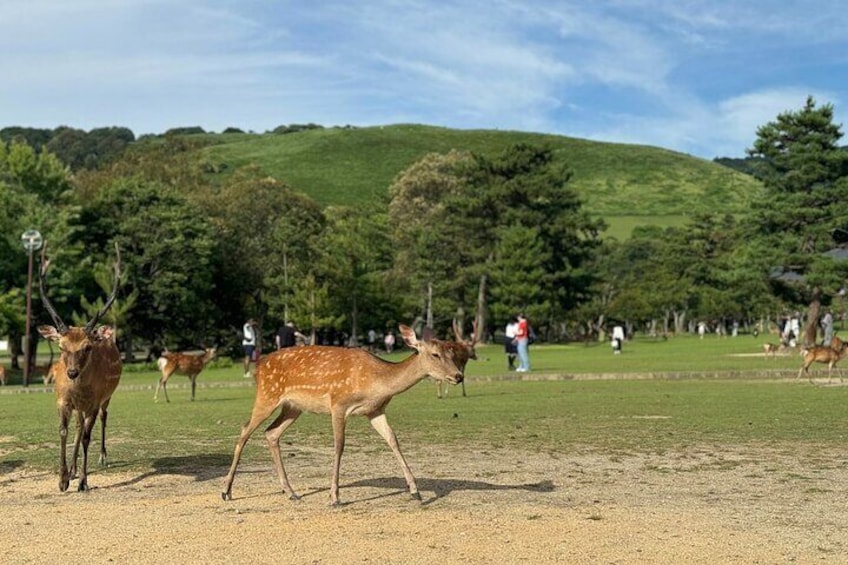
pixel 706 505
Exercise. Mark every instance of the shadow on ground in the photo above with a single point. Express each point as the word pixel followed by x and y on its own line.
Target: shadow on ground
pixel 201 467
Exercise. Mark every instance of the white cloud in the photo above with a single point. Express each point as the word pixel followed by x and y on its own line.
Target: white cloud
pixel 642 71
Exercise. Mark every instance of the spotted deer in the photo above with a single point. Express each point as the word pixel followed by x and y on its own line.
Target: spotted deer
pixel 186 364
pixel 86 374
pixel 830 354
pixel 340 382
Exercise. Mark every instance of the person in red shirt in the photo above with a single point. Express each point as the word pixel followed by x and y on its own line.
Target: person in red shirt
pixel 522 341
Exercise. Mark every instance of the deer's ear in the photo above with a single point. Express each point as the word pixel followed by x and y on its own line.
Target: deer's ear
pixel 409 336
pixel 49 332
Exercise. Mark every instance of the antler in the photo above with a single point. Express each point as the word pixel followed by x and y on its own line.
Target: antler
pixel 457 330
pixel 42 275
pixel 90 325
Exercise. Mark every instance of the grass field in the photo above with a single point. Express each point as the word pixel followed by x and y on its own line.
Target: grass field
pixel 711 391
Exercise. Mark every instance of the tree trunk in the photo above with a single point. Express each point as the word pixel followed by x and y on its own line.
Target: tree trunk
pixel 15 349
pixel 811 330
pixel 480 317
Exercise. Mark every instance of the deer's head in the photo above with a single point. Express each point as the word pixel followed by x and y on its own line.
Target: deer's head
pixel 463 349
pixel 435 355
pixel 75 343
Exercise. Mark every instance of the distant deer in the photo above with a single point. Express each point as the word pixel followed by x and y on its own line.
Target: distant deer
pixel 86 375
pixel 830 354
pixel 462 351
pixel 2 375
pixel 340 382
pixel 182 364
pixel 772 349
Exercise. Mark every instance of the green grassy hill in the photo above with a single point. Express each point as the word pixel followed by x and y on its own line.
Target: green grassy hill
pixel 628 185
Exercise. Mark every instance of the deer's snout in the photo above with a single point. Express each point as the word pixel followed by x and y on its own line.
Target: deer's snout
pixel 73 373
pixel 458 378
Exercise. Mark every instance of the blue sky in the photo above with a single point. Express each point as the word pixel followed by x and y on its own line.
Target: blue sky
pixel 693 76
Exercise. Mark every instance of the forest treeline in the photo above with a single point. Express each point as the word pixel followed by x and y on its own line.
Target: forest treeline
pixel 460 235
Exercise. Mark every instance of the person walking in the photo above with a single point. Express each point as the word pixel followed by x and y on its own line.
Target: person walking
pixel 248 343
pixel 522 342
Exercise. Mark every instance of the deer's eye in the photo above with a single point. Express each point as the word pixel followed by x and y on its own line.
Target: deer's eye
pixel 436 355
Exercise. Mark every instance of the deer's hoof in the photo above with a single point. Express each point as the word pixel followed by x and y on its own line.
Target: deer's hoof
pixel 294 496
pixel 63 484
pixel 83 486
pixel 415 496
pixel 225 496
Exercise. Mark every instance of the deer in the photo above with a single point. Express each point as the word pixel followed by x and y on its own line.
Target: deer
pixel 86 375
pixel 2 375
pixel 462 350
pixel 830 354
pixel 182 364
pixel 340 382
pixel 773 349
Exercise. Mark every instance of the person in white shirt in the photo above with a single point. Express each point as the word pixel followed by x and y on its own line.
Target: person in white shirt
pixel 509 342
pixel 617 339
pixel 248 342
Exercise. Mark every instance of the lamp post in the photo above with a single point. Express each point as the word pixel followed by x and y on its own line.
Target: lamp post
pixel 32 241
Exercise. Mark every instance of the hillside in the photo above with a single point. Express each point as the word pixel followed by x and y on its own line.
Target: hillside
pixel 617 181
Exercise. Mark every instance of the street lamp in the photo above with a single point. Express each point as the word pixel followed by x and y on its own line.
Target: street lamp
pixel 32 241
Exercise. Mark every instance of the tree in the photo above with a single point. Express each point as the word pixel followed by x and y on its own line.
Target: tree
pixel 450 213
pixel 167 253
pixel 355 254
pixel 806 197
pixel 425 263
pixel 267 235
pixel 525 186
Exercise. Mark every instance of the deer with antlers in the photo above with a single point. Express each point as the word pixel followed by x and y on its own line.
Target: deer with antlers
pixel 86 375
pixel 462 350
pixel 182 364
pixel 339 382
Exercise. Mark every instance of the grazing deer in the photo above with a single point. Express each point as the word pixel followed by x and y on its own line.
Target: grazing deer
pixel 86 375
pixel 339 382
pixel 830 354
pixel 462 350
pixel 772 349
pixel 182 364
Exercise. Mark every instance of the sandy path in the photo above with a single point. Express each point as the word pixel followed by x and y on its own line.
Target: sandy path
pixel 701 506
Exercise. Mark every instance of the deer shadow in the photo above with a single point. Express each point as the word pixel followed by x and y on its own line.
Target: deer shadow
pixel 201 467
pixel 440 488
pixel 7 467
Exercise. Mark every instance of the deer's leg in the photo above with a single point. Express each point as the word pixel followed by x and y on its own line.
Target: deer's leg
pixel 381 424
pixel 272 435
pixel 258 416
pixel 104 415
pixel 338 444
pixel 90 420
pixel 77 439
pixel 163 384
pixel 193 385
pixel 64 477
